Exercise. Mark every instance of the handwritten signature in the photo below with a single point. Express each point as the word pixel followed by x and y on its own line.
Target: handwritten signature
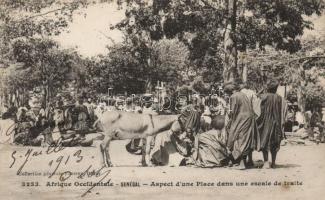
pixel 62 160
pixel 101 173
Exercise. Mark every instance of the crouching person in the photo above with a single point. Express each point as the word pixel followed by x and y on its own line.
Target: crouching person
pixel 209 148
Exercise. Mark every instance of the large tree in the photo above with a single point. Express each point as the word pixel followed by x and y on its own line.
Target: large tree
pixel 21 21
pixel 302 71
pixel 42 65
pixel 33 18
pixel 235 25
pixel 126 67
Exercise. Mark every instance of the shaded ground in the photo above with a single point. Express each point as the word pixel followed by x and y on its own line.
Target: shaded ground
pixel 296 163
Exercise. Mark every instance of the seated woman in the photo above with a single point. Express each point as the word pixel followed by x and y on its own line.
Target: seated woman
pixel 209 149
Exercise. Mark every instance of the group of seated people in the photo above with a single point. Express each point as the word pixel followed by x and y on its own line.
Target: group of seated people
pixel 309 126
pixel 47 124
pixel 218 132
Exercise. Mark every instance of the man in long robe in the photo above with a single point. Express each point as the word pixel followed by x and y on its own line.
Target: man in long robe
pixel 255 102
pixel 270 123
pixel 243 136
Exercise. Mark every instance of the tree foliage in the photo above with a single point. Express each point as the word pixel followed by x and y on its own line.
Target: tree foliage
pixel 201 25
pixel 30 58
pixel 303 70
pixel 125 68
pixel 41 64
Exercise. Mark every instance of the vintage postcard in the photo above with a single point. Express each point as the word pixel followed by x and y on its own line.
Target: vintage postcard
pixel 162 99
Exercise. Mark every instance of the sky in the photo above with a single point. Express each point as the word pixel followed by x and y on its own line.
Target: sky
pixel 89 33
pixel 319 26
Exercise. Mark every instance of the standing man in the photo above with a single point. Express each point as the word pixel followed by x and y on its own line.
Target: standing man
pixel 243 135
pixel 255 103
pixel 270 123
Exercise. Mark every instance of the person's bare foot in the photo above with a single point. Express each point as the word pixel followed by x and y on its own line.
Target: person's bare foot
pixel 239 166
pixel 266 165
pixel 230 164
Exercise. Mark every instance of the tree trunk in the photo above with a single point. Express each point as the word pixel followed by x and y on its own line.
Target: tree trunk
pixel 45 96
pixel 148 86
pixel 230 71
pixel 48 92
pixel 301 99
pixel 245 72
pixel 17 98
pixel 242 66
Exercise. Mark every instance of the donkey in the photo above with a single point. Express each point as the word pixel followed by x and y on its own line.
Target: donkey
pixel 117 125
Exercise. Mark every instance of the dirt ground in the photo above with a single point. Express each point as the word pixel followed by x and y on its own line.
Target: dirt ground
pixel 301 165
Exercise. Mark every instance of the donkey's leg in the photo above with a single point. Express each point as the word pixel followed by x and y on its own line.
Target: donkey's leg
pixel 108 157
pixel 104 147
pixel 147 150
pixel 143 152
pixel 102 152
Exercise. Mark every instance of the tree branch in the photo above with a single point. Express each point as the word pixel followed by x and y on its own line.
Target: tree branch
pixel 108 37
pixel 306 58
pixel 41 14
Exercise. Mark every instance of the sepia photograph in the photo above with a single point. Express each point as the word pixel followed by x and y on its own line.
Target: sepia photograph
pixel 162 99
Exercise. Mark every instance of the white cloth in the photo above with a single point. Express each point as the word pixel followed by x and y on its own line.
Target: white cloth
pixel 255 101
pixel 42 113
pixel 323 118
pixel 300 117
pixel 206 111
pixel 149 111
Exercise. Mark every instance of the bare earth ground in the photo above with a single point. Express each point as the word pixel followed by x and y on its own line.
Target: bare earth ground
pixel 302 163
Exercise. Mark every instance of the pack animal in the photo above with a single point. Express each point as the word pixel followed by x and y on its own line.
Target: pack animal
pixel 117 125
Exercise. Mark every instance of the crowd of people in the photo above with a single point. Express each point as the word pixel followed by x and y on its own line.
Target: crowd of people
pixel 219 129
pixel 63 115
pixel 309 125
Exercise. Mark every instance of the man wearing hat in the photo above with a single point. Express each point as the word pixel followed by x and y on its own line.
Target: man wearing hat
pixel 242 129
pixel 270 123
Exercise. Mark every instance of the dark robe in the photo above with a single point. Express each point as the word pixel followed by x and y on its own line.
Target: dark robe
pixel 190 119
pixel 209 151
pixel 270 122
pixel 242 129
pixel 81 126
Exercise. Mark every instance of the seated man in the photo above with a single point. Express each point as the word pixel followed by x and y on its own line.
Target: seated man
pixel 209 149
pixel 81 125
pixel 25 131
